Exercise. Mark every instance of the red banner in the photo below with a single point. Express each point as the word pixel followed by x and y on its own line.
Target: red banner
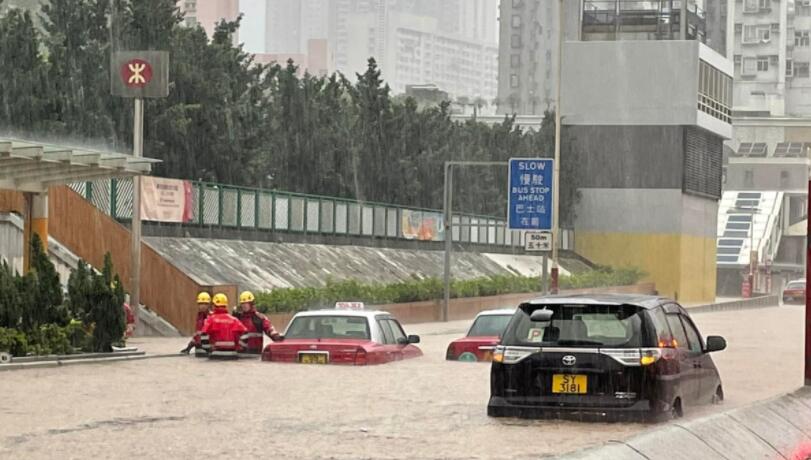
pixel 166 200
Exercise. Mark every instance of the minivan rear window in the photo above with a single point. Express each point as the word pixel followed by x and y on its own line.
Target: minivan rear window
pixel 578 325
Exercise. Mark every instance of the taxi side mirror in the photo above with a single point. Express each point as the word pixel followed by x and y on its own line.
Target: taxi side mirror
pixel 715 343
pixel 413 339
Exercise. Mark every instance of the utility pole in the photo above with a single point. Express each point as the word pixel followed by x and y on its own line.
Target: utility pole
pixel 135 251
pixel 556 175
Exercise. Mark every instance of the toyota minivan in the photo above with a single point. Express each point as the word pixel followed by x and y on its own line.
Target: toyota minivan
pixel 610 356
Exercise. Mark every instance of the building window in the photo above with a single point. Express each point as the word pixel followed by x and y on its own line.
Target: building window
pixel 513 81
pixel 515 60
pixel 750 66
pixel 803 10
pixel 518 3
pixel 515 41
pixel 748 179
pixel 756 34
pixel 714 92
pixel 756 6
pixel 801 38
pixel 763 63
pixel 516 21
pixel 801 69
pixel 790 149
pixel 789 68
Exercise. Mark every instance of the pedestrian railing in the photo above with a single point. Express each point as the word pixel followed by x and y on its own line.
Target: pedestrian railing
pixel 244 208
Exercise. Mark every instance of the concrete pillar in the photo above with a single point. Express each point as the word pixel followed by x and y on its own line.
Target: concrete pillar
pixel 35 220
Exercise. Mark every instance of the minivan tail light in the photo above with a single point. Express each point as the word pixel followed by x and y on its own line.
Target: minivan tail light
pixel 512 355
pixel 633 356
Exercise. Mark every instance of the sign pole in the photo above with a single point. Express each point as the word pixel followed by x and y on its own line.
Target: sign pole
pixel 556 176
pixel 135 253
pixel 807 296
pixel 448 198
pixel 544 274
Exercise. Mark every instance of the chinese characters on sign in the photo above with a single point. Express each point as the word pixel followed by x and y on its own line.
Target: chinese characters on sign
pixel 538 241
pixel 530 195
pixel 166 200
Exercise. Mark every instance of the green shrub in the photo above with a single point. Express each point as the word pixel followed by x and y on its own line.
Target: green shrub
pixel 49 339
pixel 13 341
pixel 414 290
pixel 10 307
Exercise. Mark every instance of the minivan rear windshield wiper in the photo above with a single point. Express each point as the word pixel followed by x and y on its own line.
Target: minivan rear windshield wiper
pixel 579 342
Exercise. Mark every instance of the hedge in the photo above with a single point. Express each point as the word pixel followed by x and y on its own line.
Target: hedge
pixel 285 300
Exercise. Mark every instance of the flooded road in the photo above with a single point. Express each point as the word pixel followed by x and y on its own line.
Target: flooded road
pixel 423 408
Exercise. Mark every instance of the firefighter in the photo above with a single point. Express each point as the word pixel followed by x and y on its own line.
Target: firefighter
pixel 200 341
pixel 256 323
pixel 223 330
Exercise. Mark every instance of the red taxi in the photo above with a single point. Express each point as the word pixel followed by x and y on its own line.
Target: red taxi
pixel 347 334
pixel 482 337
pixel 794 292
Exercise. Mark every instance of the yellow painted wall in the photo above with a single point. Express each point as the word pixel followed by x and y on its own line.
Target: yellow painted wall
pixel 682 266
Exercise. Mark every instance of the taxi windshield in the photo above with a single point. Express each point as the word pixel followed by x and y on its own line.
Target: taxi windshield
pixel 489 325
pixel 613 326
pixel 796 285
pixel 328 327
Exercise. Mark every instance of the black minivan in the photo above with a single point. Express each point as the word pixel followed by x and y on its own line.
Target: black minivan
pixel 610 356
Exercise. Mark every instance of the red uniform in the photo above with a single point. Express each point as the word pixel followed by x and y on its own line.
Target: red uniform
pixel 256 324
pixel 224 332
pixel 200 340
pixel 130 320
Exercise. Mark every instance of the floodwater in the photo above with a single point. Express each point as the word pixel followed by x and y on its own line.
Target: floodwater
pixel 423 408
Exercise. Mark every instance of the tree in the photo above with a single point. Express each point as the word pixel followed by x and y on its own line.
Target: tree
pixel 10 313
pixel 78 45
pixel 107 308
pixel 80 287
pixel 47 293
pixel 23 82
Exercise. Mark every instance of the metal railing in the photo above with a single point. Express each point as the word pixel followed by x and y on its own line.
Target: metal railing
pixel 244 208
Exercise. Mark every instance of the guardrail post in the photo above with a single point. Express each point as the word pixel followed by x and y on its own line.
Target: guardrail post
pixel 272 211
pixel 256 208
pixel 305 211
pixel 113 198
pixel 239 208
pixel 201 209
pixel 88 191
pixel 220 199
pixel 289 212
pixel 334 217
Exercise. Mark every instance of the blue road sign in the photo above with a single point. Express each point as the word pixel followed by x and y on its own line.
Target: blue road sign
pixel 529 202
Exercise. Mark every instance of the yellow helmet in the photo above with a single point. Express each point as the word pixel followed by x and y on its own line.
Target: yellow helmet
pixel 203 297
pixel 220 300
pixel 246 296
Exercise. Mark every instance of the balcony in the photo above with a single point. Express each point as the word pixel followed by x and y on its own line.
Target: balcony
pixel 631 19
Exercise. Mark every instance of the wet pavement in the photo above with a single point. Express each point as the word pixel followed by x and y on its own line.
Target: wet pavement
pixel 423 408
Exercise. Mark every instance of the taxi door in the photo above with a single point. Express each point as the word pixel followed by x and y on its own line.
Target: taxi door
pixel 389 347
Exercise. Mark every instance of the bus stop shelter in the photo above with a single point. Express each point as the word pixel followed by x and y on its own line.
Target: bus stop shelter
pixel 32 167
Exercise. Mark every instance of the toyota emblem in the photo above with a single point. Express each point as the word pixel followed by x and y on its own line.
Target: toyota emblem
pixel 569 360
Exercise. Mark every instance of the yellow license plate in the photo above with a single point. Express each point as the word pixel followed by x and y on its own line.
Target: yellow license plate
pixel 569 383
pixel 313 358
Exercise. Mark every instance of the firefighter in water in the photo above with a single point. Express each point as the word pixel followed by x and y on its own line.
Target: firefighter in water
pixel 200 341
pixel 223 330
pixel 256 323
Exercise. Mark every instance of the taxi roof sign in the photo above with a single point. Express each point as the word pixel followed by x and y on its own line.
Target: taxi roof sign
pixel 349 306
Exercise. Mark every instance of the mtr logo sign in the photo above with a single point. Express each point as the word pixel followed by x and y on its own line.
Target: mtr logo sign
pixel 136 73
pixel 140 74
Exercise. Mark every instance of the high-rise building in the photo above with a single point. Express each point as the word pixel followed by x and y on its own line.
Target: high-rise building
pixel 207 13
pixel 529 32
pixel 771 44
pixel 410 50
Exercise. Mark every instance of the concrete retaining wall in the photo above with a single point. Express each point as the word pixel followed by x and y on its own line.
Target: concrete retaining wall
pixel 466 308
pixel 742 304
pixel 773 429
